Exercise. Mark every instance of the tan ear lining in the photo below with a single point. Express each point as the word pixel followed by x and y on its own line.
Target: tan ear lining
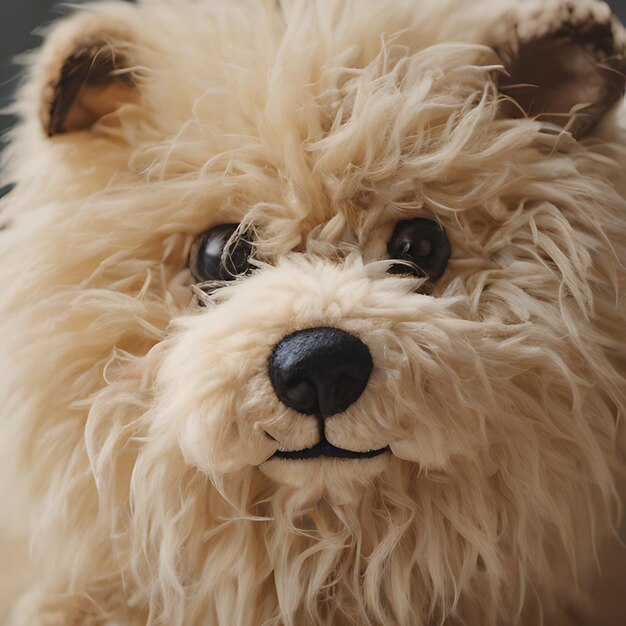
pixel 570 73
pixel 92 83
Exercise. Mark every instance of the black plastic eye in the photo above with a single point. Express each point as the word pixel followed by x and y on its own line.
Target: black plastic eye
pixel 215 256
pixel 424 244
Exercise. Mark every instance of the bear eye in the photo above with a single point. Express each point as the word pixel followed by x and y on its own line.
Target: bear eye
pixel 424 244
pixel 215 255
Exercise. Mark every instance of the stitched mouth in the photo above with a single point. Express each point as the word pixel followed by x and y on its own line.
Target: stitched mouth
pixel 324 448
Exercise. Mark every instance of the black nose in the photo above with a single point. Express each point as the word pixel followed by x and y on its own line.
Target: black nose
pixel 320 371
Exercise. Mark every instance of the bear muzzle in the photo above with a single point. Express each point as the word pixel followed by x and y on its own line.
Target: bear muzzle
pixel 321 371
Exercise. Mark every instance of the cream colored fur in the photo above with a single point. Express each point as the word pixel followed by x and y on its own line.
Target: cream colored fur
pixel 134 459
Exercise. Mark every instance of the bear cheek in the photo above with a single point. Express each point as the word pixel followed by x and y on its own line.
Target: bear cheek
pixel 199 402
pixel 219 444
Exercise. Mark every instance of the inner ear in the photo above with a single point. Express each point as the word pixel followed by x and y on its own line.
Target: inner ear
pixel 93 81
pixel 569 75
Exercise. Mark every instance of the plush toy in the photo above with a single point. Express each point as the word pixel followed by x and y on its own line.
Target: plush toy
pixel 311 314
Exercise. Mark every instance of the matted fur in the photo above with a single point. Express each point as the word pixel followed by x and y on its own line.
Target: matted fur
pixel 133 420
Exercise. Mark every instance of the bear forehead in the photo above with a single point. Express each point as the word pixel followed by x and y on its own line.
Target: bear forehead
pixel 272 114
pixel 363 145
pixel 306 125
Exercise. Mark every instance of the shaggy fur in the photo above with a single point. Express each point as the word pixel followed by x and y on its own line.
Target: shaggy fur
pixel 133 421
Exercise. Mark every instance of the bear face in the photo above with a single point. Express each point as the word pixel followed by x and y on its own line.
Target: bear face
pixel 304 320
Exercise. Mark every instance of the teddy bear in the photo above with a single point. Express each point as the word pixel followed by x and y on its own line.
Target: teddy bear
pixel 312 313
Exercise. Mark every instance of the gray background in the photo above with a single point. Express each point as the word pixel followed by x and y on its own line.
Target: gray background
pixel 18 18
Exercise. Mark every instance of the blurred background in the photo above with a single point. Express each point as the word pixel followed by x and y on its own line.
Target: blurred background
pixel 18 19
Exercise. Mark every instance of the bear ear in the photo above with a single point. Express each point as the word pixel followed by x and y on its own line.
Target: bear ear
pixel 87 75
pixel 564 62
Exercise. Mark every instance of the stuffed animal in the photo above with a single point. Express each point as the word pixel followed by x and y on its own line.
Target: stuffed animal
pixel 312 313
